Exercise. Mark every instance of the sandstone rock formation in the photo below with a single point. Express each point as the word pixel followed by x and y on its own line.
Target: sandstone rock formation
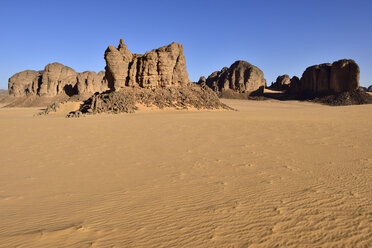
pixel 281 83
pixel 162 67
pixel 241 77
pixel 90 82
pixel 341 76
pixel 24 83
pixel 56 79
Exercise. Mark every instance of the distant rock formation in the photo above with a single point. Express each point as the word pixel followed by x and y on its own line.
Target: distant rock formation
pixel 369 89
pixel 281 83
pixel 162 67
pixel 341 76
pixel 24 83
pixel 241 77
pixel 56 79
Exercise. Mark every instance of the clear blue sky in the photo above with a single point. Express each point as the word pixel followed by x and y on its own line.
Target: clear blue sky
pixel 280 37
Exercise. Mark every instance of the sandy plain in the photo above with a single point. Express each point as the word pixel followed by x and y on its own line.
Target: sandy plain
pixel 273 174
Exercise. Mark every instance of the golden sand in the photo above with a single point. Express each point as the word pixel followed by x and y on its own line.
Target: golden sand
pixel 273 174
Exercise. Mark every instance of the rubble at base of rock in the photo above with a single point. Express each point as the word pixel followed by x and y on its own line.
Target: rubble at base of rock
pixel 354 97
pixel 51 108
pixel 127 99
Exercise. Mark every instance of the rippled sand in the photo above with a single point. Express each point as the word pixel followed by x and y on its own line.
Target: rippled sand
pixel 273 174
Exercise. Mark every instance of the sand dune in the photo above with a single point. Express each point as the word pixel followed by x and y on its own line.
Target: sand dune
pixel 273 174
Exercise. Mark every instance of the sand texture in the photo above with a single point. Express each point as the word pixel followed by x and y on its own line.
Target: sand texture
pixel 273 174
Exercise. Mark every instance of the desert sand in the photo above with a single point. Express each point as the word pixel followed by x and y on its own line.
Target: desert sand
pixel 272 174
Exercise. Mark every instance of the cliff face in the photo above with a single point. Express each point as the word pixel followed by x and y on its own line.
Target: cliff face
pixel 162 67
pixel 23 83
pixel 340 76
pixel 90 82
pixel 56 79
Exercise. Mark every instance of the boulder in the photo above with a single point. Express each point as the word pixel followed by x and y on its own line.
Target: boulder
pixel 341 76
pixel 369 89
pixel 162 67
pixel 241 77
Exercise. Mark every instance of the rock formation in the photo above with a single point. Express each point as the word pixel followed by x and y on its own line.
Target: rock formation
pixel 241 77
pixel 56 79
pixel 90 82
pixel 24 83
pixel 202 81
pixel 369 89
pixel 162 67
pixel 341 76
pixel 281 83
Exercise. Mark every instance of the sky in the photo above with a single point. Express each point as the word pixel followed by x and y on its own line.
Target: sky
pixel 278 36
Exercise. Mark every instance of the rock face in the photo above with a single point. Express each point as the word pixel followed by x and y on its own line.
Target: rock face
pixel 90 82
pixel 56 79
pixel 241 77
pixel 24 83
pixel 281 83
pixel 162 67
pixel 341 76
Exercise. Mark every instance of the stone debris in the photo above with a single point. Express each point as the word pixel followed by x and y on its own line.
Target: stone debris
pixel 127 99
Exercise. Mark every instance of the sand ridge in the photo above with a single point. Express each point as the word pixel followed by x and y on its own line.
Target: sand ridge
pixel 272 174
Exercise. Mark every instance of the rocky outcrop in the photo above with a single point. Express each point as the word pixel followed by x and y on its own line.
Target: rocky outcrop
pixel 369 89
pixel 24 83
pixel 90 82
pixel 162 67
pixel 202 81
pixel 281 83
pixel 341 76
pixel 56 79
pixel 241 77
